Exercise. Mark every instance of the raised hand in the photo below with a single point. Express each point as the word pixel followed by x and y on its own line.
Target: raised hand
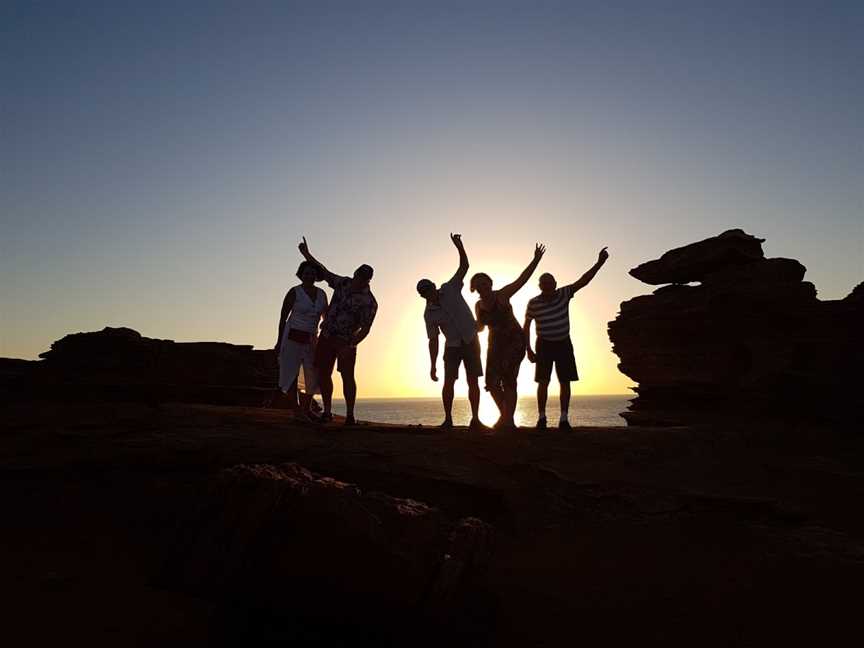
pixel 539 251
pixel 303 247
pixel 603 256
pixel 457 240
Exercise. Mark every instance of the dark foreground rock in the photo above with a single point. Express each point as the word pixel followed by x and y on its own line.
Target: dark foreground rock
pixel 732 535
pixel 751 340
pixel 290 542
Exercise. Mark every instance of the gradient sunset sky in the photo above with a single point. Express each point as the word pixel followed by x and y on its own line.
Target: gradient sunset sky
pixel 160 161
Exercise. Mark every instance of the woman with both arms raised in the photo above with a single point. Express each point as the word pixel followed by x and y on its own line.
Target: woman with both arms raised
pixel 506 339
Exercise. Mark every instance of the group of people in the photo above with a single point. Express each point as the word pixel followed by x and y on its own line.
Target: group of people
pixel 347 319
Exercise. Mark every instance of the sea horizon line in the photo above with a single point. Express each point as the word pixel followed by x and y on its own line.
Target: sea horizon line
pixel 438 398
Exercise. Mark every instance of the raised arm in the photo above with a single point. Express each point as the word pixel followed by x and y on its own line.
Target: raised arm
pixel 510 289
pixel 459 277
pixel 329 277
pixel 586 278
pixel 287 305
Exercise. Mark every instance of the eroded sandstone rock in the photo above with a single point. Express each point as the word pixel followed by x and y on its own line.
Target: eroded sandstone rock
pixel 696 261
pixel 751 340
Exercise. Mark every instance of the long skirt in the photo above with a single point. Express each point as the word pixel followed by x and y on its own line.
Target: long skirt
pixel 295 363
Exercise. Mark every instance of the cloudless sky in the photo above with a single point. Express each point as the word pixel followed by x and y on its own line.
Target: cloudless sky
pixel 160 161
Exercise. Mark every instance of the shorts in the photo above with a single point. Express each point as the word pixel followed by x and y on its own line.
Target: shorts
pixel 467 353
pixel 559 352
pixel 334 351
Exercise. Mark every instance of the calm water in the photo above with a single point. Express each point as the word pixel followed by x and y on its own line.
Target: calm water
pixel 584 410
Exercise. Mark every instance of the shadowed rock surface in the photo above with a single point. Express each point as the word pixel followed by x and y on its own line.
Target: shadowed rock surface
pixel 752 339
pixel 354 557
pixel 733 534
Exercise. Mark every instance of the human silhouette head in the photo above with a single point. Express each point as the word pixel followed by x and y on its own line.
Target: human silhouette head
pixel 362 276
pixel 481 283
pixel 426 289
pixel 547 283
pixel 309 273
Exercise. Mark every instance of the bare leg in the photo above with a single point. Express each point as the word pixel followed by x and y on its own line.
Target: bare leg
pixel 497 394
pixel 305 402
pixel 510 398
pixel 565 400
pixel 447 398
pixel 291 395
pixel 326 381
pixel 349 389
pixel 542 396
pixel 474 397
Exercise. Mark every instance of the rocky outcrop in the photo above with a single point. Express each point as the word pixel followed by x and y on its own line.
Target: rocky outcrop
pixel 123 355
pixel 750 339
pixel 120 363
pixel 283 539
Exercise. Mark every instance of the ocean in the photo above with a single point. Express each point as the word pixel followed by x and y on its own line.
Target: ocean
pixel 598 411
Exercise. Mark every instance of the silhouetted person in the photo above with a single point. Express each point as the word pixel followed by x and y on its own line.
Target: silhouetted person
pixel 550 310
pixel 301 313
pixel 447 311
pixel 347 322
pixel 506 339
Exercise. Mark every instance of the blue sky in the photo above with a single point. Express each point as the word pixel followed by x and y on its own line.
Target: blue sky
pixel 159 163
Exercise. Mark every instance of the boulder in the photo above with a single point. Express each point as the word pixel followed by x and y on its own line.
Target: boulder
pixel 764 272
pixel 696 261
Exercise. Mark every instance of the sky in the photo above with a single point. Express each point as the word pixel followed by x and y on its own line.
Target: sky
pixel 159 162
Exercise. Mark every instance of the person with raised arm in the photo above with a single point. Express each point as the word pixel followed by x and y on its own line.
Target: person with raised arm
pixel 506 340
pixel 448 312
pixel 550 310
pixel 301 313
pixel 346 324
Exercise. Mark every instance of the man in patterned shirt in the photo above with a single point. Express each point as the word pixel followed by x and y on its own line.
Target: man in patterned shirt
pixel 346 324
pixel 551 310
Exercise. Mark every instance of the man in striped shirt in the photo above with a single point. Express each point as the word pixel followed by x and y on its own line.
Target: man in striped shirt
pixel 551 311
